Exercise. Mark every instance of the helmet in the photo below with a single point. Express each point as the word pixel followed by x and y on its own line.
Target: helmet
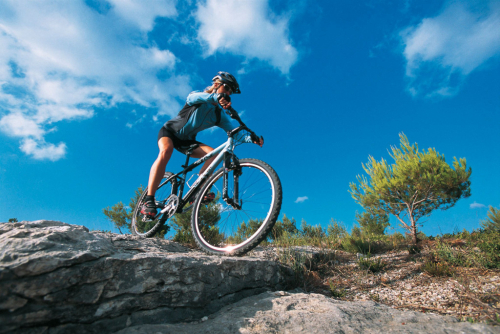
pixel 229 80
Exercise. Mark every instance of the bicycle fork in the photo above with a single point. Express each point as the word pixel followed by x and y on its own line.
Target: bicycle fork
pixel 234 165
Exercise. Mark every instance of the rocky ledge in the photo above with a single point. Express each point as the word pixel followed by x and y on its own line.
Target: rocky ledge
pixel 55 276
pixel 60 278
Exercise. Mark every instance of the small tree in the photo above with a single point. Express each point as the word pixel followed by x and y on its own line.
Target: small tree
pixel 336 230
pixel 12 220
pixel 209 216
pixel 372 222
pixel 121 215
pixel 414 186
pixel 493 223
pixel 309 231
pixel 288 226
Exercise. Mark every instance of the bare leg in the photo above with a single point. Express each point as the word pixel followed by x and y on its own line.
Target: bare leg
pixel 158 169
pixel 201 152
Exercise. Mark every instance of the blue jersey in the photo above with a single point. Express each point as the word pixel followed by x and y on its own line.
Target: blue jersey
pixel 199 114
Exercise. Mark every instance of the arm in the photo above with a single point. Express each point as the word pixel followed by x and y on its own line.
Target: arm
pixel 201 97
pixel 241 136
pixel 226 125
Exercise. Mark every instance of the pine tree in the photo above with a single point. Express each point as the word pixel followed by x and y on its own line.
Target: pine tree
pixel 121 215
pixel 414 186
pixel 492 223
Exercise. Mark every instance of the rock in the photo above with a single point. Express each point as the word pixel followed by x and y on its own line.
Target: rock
pixel 312 313
pixel 60 278
pixel 57 277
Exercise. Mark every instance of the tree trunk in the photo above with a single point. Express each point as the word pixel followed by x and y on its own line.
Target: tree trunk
pixel 414 233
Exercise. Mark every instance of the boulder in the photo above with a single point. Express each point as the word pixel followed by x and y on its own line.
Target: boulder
pixel 283 312
pixel 57 277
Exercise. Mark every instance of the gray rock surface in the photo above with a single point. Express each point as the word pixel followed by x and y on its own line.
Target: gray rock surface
pixel 282 312
pixel 60 278
pixel 57 277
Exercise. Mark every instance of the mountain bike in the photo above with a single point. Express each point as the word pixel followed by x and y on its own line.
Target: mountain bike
pixel 247 201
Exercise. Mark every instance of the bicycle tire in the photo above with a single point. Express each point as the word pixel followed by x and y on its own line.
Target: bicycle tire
pixel 148 228
pixel 222 229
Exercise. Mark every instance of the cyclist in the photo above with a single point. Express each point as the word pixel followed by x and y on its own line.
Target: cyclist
pixel 202 110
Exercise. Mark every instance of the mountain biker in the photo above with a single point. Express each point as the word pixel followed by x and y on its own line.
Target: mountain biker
pixel 201 111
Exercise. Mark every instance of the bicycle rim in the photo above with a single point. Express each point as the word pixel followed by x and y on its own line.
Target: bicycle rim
pixel 223 229
pixel 148 227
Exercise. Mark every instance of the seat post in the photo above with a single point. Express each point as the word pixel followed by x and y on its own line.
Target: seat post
pixel 187 160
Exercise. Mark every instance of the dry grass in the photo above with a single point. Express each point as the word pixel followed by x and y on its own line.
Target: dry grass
pixel 403 282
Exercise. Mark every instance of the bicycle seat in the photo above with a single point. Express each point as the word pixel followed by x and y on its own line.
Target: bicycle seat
pixel 188 150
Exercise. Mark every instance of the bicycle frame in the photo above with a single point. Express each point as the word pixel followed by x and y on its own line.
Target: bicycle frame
pixel 223 153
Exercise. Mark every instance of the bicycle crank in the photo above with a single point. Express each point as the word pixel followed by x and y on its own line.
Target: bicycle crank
pixel 170 206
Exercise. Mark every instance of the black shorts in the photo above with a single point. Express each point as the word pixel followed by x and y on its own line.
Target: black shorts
pixel 179 144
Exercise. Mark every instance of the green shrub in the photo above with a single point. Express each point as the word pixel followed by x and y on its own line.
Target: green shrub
pixel 373 265
pixel 486 255
pixel 493 221
pixel 337 292
pixel 490 246
pixel 356 245
pixel 413 249
pixel 436 268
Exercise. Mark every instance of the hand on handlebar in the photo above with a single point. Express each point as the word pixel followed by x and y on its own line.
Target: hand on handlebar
pixel 258 140
pixel 225 101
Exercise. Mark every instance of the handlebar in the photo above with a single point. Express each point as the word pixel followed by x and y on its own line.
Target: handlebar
pixel 234 115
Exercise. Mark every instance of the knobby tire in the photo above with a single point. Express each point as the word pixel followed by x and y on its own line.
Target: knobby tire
pixel 221 229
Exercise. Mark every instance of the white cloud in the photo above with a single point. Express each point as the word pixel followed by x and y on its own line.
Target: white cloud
pixel 41 150
pixel 476 205
pixel 248 29
pixel 441 51
pixel 301 199
pixel 62 59
pixel 136 12
pixel 19 125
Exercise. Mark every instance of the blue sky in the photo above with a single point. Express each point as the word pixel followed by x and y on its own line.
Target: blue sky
pixel 86 85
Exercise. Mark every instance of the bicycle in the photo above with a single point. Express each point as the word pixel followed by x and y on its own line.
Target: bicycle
pixel 245 209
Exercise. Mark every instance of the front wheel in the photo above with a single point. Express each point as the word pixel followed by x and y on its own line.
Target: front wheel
pixel 224 228
pixel 142 225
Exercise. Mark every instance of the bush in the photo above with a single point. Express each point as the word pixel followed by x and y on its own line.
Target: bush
pixel 337 292
pixel 413 249
pixel 336 230
pixel 492 224
pixel 364 246
pixel 490 246
pixel 436 268
pixel 356 245
pixel 365 262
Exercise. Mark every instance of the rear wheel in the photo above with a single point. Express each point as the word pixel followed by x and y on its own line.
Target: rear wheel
pixel 142 225
pixel 224 229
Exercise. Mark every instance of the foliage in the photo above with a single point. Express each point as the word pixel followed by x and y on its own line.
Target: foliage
pixel 337 292
pixel 312 232
pixel 490 247
pixel 436 268
pixel 364 246
pixel 120 215
pixel 373 222
pixel 493 223
pixel 367 263
pixel 336 230
pixel 356 232
pixel 414 186
pixel 478 249
pixel 12 220
pixel 209 215
pixel 288 226
pixel 413 249
pixel 285 227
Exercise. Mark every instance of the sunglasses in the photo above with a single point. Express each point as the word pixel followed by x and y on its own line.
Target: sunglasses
pixel 227 88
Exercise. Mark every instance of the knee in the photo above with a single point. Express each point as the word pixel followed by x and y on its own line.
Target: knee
pixel 165 153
